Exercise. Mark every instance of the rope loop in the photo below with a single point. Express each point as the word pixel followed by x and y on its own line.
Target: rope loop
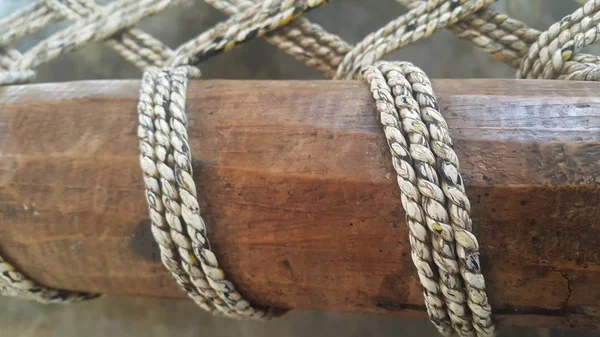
pixel 177 226
pixel 433 196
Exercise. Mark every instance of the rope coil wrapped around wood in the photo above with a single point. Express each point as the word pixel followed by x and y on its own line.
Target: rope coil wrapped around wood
pixel 444 250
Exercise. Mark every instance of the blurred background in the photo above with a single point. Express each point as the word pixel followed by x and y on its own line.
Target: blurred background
pixel 442 56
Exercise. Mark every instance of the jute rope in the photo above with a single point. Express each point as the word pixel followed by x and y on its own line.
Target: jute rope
pixel 192 281
pixel 451 184
pixel 419 235
pixel 174 209
pixel 15 284
pixel 408 111
pixel 444 250
pixel 506 39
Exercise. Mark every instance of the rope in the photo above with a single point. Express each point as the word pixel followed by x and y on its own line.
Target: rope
pixel 504 38
pixel 102 25
pixel 171 195
pixel 415 117
pixel 256 21
pixel 411 196
pixel 418 23
pixel 189 280
pixel 305 41
pixel 444 250
pixel 15 284
pixel 560 42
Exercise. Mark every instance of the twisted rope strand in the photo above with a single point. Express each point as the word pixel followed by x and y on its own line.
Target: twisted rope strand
pixel 467 246
pixel 305 41
pixel 170 196
pixel 30 23
pixel 16 77
pixel 135 46
pixel 17 17
pixel 160 228
pixel 542 51
pixel 254 22
pixel 509 41
pixel 432 200
pixel 420 22
pixel 495 33
pixel 180 172
pixel 410 197
pixel 15 284
pixel 123 14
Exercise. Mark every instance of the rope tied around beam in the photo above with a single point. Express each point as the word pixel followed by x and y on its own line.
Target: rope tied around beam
pixel 408 110
pixel 171 194
pixel 427 170
pixel 444 250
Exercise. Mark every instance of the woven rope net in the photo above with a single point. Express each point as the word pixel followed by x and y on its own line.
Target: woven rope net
pixel 444 250
pixel 554 53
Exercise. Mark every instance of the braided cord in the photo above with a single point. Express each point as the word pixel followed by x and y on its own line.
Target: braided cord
pixel 92 28
pixel 432 198
pixel 547 55
pixel 171 195
pixel 423 125
pixel 256 21
pixel 410 197
pixel 304 40
pixel 190 209
pixel 26 22
pixel 15 284
pixel 459 207
pixel 148 162
pixel 420 22
pixel 134 45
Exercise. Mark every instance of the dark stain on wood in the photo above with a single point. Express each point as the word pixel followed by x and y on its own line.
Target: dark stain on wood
pixel 287 265
pixel 142 242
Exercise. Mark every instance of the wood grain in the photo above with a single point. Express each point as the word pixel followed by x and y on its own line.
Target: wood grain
pixel 297 188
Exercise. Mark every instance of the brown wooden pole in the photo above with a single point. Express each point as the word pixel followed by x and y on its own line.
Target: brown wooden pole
pixel 298 192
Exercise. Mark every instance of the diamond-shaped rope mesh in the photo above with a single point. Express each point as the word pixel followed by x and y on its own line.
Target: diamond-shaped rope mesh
pixel 549 54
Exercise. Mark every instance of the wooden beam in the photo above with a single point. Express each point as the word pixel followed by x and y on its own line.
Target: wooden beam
pixel 298 192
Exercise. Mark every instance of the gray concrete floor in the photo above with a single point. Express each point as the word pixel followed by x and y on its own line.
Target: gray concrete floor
pixel 442 56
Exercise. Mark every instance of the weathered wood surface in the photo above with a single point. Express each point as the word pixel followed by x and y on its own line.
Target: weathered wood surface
pixel 299 194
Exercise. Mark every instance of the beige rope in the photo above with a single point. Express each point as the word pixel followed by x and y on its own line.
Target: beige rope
pixel 181 170
pixel 420 22
pixel 411 199
pixel 444 251
pixel 424 126
pixel 509 40
pixel 504 38
pixel 97 27
pixel 431 198
pixel 134 45
pixel 170 197
pixel 561 41
pixel 255 21
pixel 453 187
pixel 15 284
pixel 193 282
pixel 171 194
pixel 27 22
pixel 305 41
